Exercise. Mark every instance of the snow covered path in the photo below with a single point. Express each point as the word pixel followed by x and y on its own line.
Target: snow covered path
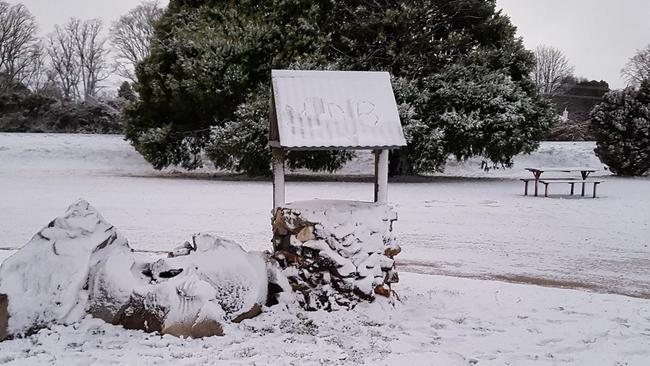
pixel 442 321
pixel 467 224
pixel 476 227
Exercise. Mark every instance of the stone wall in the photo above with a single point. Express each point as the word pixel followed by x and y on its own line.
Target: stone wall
pixel 336 253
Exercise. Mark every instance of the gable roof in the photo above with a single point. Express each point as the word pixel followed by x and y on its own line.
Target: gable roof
pixel 320 110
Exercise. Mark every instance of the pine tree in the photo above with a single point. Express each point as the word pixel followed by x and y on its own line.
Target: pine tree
pixel 460 74
pixel 125 91
pixel 621 124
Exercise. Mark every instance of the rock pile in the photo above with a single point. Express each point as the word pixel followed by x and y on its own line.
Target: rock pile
pixel 336 253
pixel 80 264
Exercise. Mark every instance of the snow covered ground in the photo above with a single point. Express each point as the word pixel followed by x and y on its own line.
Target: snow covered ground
pixel 464 223
pixel 441 321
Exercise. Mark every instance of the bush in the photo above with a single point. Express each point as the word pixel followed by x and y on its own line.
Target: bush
pixel 621 124
pixel 22 110
pixel 571 131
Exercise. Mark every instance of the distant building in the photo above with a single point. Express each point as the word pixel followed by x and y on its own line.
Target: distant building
pixel 579 98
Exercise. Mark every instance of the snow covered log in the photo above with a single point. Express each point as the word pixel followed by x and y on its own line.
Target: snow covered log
pixel 80 264
pixel 336 253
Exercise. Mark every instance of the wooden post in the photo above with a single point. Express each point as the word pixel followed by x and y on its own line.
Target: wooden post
pixel 381 176
pixel 545 189
pixel 525 188
pixel 277 160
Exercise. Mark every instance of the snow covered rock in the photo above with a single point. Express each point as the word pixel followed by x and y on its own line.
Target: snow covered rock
pixel 79 264
pixel 216 279
pixel 46 280
pixel 198 287
pixel 336 253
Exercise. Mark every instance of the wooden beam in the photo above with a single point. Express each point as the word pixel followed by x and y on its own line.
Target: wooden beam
pixel 381 176
pixel 277 160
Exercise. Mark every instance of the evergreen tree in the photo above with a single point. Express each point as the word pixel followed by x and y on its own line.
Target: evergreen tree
pixel 621 124
pixel 125 91
pixel 460 75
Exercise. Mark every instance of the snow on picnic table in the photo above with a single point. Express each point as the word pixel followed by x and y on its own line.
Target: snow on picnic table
pixel 465 223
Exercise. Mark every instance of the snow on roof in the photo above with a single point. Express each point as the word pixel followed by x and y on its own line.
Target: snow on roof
pixel 314 110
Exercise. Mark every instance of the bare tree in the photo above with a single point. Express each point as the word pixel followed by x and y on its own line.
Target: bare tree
pixel 131 36
pixel 66 70
pixel 78 55
pixel 35 74
pixel 91 52
pixel 551 69
pixel 19 46
pixel 637 68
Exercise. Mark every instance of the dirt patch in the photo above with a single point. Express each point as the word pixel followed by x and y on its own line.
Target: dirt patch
pixel 438 269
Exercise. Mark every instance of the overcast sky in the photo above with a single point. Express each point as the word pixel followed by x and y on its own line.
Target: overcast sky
pixel 598 36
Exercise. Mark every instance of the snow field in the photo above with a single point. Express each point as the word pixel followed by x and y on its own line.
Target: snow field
pixel 441 321
pixel 466 223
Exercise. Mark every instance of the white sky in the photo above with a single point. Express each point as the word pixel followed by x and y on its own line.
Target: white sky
pixel 598 36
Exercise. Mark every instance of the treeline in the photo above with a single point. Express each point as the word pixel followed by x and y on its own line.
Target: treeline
pixel 56 83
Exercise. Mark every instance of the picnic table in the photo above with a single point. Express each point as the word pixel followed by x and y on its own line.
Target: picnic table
pixel 537 173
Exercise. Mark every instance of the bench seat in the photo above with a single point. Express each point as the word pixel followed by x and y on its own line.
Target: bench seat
pixel 527 180
pixel 572 182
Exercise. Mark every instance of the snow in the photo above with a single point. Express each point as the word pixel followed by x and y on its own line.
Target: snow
pixel 46 280
pixel 236 279
pixel 441 321
pixel 464 223
pixel 79 264
pixel 352 236
pixel 336 109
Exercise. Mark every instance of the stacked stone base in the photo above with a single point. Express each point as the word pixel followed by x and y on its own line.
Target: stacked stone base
pixel 336 253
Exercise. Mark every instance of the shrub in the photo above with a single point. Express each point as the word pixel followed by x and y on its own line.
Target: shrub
pixel 621 124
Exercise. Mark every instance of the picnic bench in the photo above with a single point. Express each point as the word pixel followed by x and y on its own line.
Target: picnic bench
pixel 537 173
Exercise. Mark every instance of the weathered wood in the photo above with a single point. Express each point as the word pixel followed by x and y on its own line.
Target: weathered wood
pixel 595 184
pixel 569 181
pixel 536 174
pixel 277 160
pixel 562 169
pixel 545 189
pixel 572 182
pixel 381 176
pixel 525 187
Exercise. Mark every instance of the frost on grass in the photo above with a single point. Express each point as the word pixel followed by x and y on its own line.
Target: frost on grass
pixel 80 264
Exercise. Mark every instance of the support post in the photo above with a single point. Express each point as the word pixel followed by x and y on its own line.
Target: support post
pixel 381 176
pixel 277 160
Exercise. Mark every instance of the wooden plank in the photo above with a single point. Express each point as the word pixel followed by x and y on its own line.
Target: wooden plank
pixel 561 169
pixel 549 181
